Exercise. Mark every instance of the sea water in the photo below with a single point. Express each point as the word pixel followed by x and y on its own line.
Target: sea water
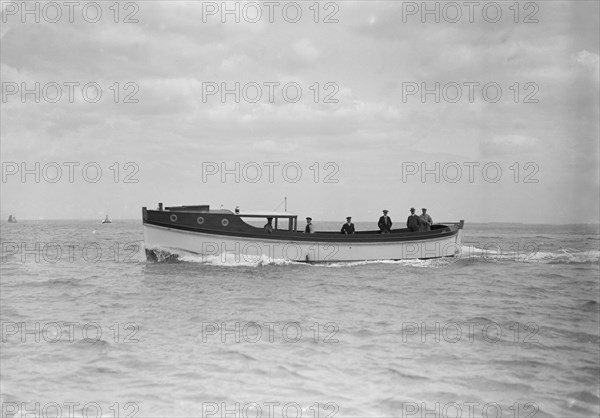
pixel 90 328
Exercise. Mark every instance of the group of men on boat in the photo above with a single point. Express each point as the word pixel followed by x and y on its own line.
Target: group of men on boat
pixel 414 223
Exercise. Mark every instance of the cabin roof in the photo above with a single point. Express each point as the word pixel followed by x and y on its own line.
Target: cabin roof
pixel 267 214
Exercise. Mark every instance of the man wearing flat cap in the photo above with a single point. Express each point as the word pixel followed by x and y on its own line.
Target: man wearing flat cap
pixel 385 223
pixel 348 227
pixel 425 221
pixel 413 222
pixel 310 228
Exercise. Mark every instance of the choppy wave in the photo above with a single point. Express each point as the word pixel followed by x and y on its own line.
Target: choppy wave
pixel 196 317
pixel 560 256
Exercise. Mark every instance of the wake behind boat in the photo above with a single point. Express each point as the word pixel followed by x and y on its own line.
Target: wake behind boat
pixel 200 230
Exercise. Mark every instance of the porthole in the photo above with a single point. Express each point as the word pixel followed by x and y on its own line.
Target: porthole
pixel 173 218
pixel 224 222
pixel 200 220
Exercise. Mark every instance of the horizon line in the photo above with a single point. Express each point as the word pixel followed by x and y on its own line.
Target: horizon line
pixel 466 222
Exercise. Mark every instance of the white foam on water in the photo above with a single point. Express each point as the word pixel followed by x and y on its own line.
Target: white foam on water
pixel 224 259
pixel 431 262
pixel 563 255
pixel 236 260
pixel 468 252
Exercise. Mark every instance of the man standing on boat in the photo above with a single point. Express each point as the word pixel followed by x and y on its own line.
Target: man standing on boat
pixel 385 223
pixel 269 225
pixel 425 221
pixel 309 229
pixel 413 222
pixel 348 227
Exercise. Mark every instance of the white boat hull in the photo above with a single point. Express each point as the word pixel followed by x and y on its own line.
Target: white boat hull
pixel 252 249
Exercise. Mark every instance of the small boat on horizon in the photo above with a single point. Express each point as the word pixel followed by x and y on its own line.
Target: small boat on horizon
pixel 12 219
pixel 199 230
pixel 106 220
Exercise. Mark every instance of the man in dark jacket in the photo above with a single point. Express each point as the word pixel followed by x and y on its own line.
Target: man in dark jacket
pixel 413 222
pixel 385 223
pixel 309 228
pixel 348 227
pixel 269 225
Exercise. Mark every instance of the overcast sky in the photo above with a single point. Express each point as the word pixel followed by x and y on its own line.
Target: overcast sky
pixel 361 143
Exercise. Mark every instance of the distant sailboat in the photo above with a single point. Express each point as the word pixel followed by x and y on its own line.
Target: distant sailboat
pixel 12 219
pixel 106 220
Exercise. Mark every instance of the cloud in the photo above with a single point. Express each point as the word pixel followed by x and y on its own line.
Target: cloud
pixel 306 50
pixel 362 62
pixel 512 144
pixel 588 60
